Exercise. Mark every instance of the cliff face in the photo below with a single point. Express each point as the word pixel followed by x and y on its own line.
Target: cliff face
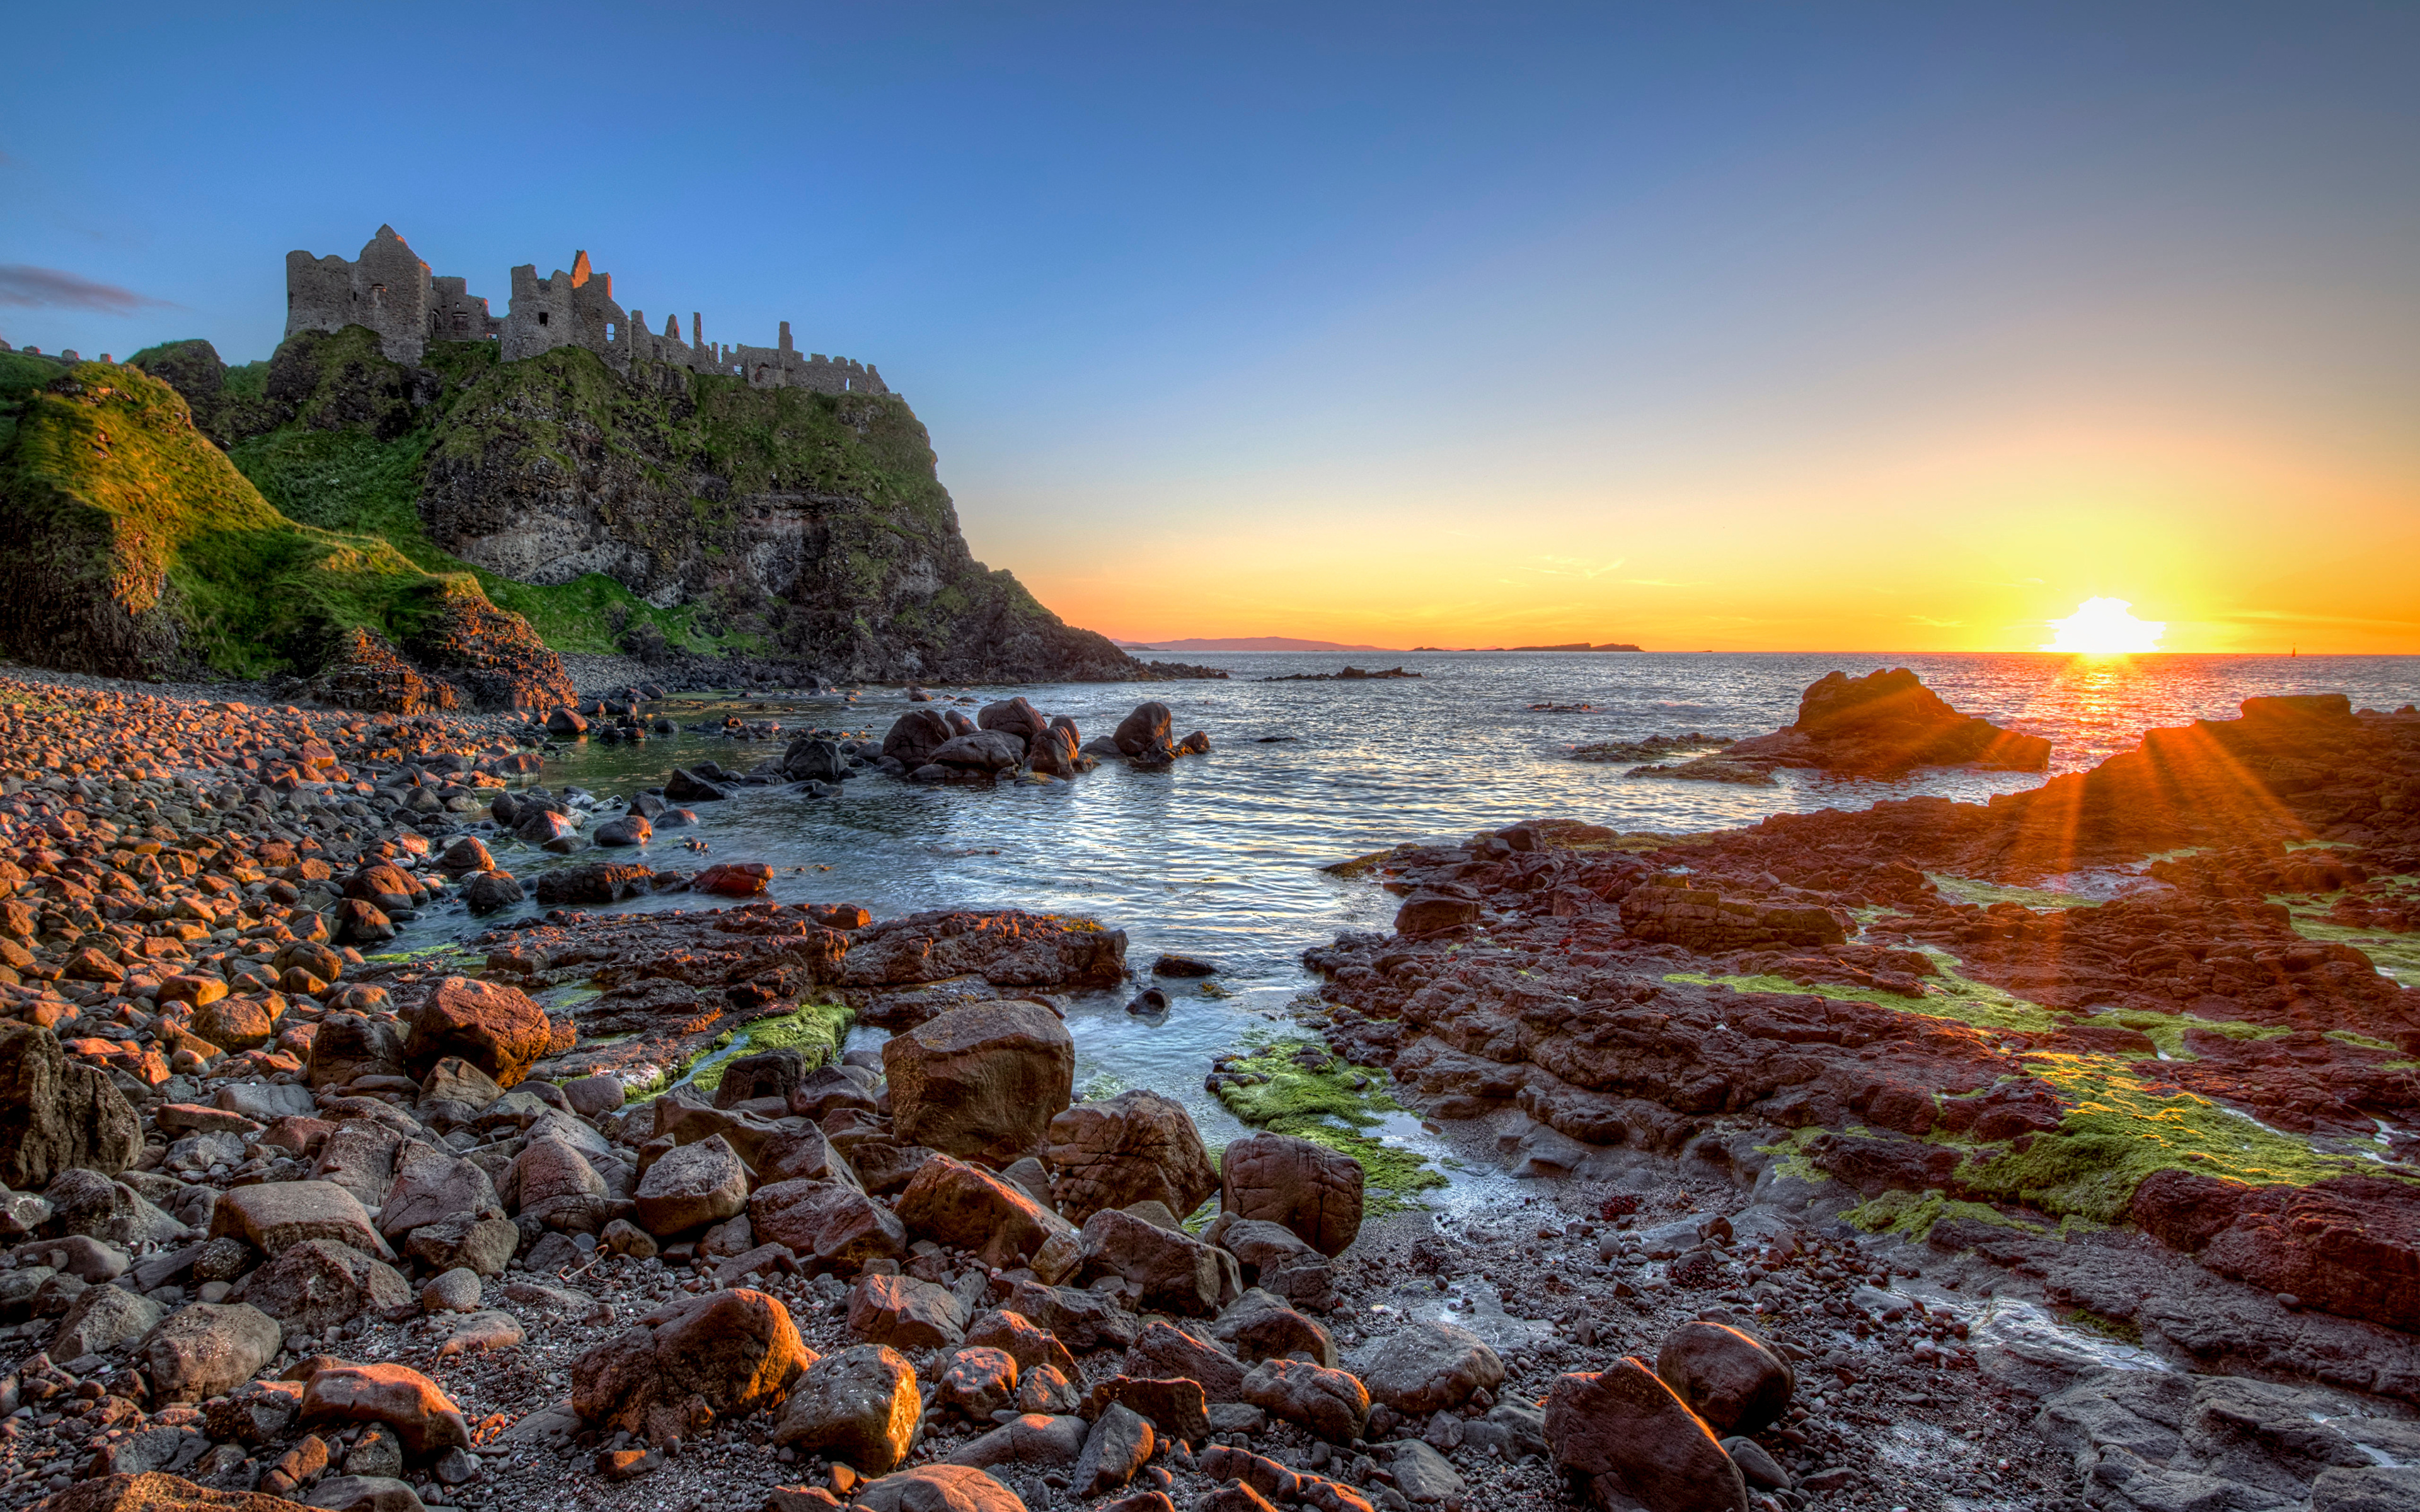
pixel 133 548
pixel 672 510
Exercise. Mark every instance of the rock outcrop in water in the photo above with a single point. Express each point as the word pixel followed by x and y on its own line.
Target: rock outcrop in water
pixel 1885 724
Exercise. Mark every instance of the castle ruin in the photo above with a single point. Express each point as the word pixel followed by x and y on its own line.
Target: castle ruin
pixel 390 290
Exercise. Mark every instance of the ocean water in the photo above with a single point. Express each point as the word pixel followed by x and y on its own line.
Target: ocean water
pixel 1219 857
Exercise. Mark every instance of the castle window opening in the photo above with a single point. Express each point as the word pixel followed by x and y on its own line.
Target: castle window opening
pixel 541 317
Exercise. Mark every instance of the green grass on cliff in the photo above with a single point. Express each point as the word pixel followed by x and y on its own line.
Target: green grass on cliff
pixel 118 499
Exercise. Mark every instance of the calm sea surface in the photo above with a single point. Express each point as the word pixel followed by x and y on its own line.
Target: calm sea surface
pixel 1219 857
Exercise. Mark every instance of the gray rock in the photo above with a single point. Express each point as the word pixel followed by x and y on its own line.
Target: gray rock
pixel 205 1351
pixel 451 1291
pixel 1035 1439
pixel 363 1493
pixel 2367 1489
pixel 691 1186
pixel 1424 1368
pixel 319 1283
pixel 102 1319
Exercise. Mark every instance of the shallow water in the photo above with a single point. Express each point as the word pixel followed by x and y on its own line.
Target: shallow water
pixel 1220 856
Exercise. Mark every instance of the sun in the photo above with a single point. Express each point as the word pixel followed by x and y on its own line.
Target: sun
pixel 2105 628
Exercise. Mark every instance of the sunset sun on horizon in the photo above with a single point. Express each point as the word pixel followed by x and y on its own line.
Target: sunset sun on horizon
pixel 2105 628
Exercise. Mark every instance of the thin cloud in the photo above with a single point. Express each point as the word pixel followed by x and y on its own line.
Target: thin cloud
pixel 1659 582
pixel 1574 567
pixel 1938 625
pixel 31 288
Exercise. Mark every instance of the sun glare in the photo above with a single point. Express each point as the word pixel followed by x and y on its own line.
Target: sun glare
pixel 2105 626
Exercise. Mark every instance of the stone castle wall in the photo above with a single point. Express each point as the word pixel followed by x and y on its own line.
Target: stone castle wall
pixel 390 290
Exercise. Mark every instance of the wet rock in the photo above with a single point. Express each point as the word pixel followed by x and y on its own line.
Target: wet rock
pixel 206 1350
pixel 985 1080
pixel 1633 1440
pixel 57 1114
pixel 601 882
pixel 1136 1147
pixel 422 1415
pixel 1730 1379
pixel 489 891
pixel 735 1350
pixel 859 1406
pixel 1308 1188
pixel 1144 733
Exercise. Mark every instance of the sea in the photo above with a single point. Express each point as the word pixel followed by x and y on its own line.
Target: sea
pixel 1220 856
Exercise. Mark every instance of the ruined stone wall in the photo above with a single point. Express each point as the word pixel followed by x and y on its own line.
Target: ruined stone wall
pixel 390 290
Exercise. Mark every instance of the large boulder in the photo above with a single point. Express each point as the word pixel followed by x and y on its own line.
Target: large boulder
pixel 981 1081
pixel 395 1395
pixel 1633 1441
pixel 1167 1269
pixel 938 1489
pixel 1734 1382
pixel 1137 1147
pixel 906 1313
pixel 735 1350
pixel 159 1491
pixel 1012 717
pixel 1307 1187
pixel 1330 1403
pixel 207 1350
pixel 1425 1367
pixel 349 1046
pixel 1887 722
pixel 859 1406
pixel 985 750
pixel 57 1114
pixel 499 1029
pixel 691 1186
pixel 436 1188
pixel 1274 1258
pixel 319 1283
pixel 836 1224
pixel 272 1216
pixel 1144 733
pixel 953 1203
pixel 915 735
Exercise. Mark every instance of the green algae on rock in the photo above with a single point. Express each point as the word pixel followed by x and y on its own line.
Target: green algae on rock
pixel 1293 1085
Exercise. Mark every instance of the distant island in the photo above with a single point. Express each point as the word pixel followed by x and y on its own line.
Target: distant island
pixel 1246 642
pixel 1576 645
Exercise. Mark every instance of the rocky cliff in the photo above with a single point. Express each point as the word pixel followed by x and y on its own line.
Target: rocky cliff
pixel 667 512
pixel 133 548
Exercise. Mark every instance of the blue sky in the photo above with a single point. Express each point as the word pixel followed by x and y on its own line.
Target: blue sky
pixel 1281 320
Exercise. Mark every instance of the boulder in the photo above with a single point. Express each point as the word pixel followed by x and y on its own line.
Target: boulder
pixel 1163 1350
pixel 976 1383
pixel 158 1491
pixel 399 1398
pixel 1308 1188
pixel 1085 1320
pixel 859 1406
pixel 809 758
pixel 363 1493
pixel 1260 1326
pixel 487 892
pixel 1886 722
pixel 1021 1340
pixel 56 1114
pixel 1035 1439
pixel 906 1313
pixel 102 1319
pixel 981 1081
pixel 275 1215
pixel 484 1246
pixel 1120 1442
pixel 1136 1147
pixel 1424 1368
pixel 1732 1381
pixel 1015 718
pixel 735 1350
pixel 436 1189
pixel 206 1350
pixel 497 1028
pixel 317 1284
pixel 1166 1268
pixel 837 1223
pixel 1625 1433
pixel 1144 733
pixel 938 1489
pixel 766 1074
pixel 1330 1403
pixel 1178 1408
pixel 1274 1258
pixel 915 735
pixel 601 882
pixel 244 1023
pixel 349 1046
pixel 691 1186
pixel 955 1204
pixel 985 750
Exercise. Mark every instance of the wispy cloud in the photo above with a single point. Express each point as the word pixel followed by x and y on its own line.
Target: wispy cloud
pixel 1574 567
pixel 29 288
pixel 1938 625
pixel 1659 582
pixel 2289 616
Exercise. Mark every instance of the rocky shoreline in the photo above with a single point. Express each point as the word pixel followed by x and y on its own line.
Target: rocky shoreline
pixel 1850 1192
